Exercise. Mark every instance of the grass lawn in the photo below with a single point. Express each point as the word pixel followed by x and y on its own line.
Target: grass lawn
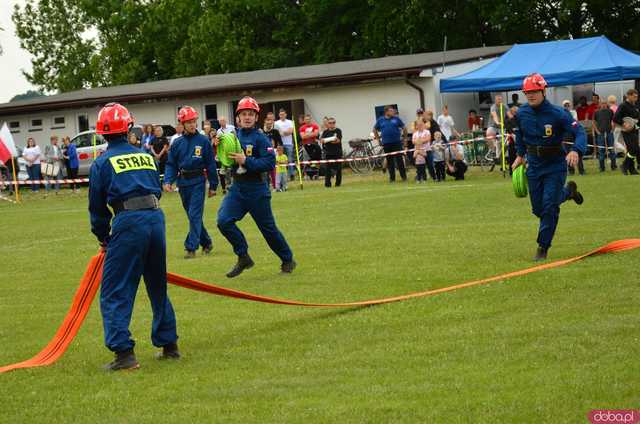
pixel 544 348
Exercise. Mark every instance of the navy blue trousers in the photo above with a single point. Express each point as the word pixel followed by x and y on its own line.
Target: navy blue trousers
pixel 255 199
pixel 137 248
pixel 193 203
pixel 547 193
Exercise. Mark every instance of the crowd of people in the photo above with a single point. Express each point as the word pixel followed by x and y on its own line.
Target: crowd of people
pixel 436 153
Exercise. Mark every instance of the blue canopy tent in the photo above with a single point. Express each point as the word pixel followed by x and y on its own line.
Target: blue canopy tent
pixel 564 62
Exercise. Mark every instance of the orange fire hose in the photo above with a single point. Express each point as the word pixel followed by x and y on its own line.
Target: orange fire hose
pixel 91 281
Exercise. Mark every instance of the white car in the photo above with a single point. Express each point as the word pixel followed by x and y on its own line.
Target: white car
pixel 87 150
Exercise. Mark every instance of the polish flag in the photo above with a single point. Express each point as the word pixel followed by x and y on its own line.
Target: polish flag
pixel 7 145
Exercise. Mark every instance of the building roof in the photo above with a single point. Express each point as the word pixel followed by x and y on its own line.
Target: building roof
pixel 357 70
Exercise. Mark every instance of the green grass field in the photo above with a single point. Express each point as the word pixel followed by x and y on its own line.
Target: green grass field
pixel 543 348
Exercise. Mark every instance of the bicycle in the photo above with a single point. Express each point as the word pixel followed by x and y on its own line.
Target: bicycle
pixel 361 151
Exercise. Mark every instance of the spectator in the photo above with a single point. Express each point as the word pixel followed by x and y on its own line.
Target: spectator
pixel 324 124
pixel 419 117
pixel 604 135
pixel 509 126
pixel 147 137
pixel 206 128
pixel 160 148
pixel 224 127
pixel 421 138
pixel 432 125
pixel 583 109
pixel 446 123
pixel 179 132
pixel 332 143
pixel 281 169
pixel 389 130
pixel 54 163
pixel 274 137
pixel 221 170
pixel 309 132
pixel 515 101
pixel 627 117
pixel 612 101
pixel 474 122
pixel 438 146
pixel 285 128
pixel 566 104
pixel 498 112
pixel 6 171
pixel 456 166
pixel 133 140
pixel 71 158
pixel 31 155
pixel 594 106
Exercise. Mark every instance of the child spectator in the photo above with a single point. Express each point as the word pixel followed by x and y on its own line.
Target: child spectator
pixel 438 146
pixel 421 139
pixel 281 171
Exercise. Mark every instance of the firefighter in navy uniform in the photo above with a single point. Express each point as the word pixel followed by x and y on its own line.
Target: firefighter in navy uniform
pixel 127 180
pixel 250 193
pixel 191 162
pixel 540 131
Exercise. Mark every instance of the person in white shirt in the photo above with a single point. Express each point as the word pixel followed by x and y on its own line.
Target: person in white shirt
pixel 446 123
pixel 285 128
pixel 32 154
pixel 224 127
pixel 179 131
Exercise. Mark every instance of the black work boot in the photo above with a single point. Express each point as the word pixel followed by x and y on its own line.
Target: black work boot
pixel 125 360
pixel 169 351
pixel 244 262
pixel 574 194
pixel 288 267
pixel 189 254
pixel 207 250
pixel 541 254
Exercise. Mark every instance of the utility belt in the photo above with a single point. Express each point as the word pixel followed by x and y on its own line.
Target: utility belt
pixel 545 152
pixel 190 173
pixel 250 177
pixel 149 201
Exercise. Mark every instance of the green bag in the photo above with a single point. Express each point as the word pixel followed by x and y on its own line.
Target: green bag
pixel 519 181
pixel 228 143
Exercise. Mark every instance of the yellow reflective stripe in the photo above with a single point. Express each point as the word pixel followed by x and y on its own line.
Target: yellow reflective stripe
pixel 132 162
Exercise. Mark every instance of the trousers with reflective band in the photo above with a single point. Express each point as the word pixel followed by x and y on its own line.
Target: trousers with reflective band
pixel 132 162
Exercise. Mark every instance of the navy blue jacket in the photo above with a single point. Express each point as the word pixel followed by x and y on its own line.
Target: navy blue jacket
pixel 258 150
pixel 120 173
pixel 191 152
pixel 547 125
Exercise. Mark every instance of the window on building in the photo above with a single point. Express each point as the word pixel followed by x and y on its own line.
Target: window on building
pixel 211 115
pixel 14 126
pixel 57 122
pixel 35 124
pixel 83 122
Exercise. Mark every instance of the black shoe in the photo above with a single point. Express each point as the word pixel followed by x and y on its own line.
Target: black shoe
pixel 574 194
pixel 614 166
pixel 169 351
pixel 125 360
pixel 207 250
pixel 189 254
pixel 541 254
pixel 288 267
pixel 244 262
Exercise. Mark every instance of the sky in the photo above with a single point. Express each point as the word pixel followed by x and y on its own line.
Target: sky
pixel 13 59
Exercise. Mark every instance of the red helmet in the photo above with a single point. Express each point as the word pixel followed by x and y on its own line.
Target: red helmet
pixel 113 119
pixel 534 82
pixel 187 113
pixel 248 103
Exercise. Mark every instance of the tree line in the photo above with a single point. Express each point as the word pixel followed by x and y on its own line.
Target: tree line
pixel 85 43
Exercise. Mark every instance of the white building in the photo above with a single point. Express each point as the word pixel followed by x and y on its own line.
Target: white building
pixel 349 91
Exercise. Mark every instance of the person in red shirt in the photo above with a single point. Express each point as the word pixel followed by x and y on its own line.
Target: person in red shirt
pixel 593 106
pixel 474 122
pixel 582 109
pixel 309 136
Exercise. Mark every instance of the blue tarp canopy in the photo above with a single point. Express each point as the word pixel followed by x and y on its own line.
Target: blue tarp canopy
pixel 564 62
